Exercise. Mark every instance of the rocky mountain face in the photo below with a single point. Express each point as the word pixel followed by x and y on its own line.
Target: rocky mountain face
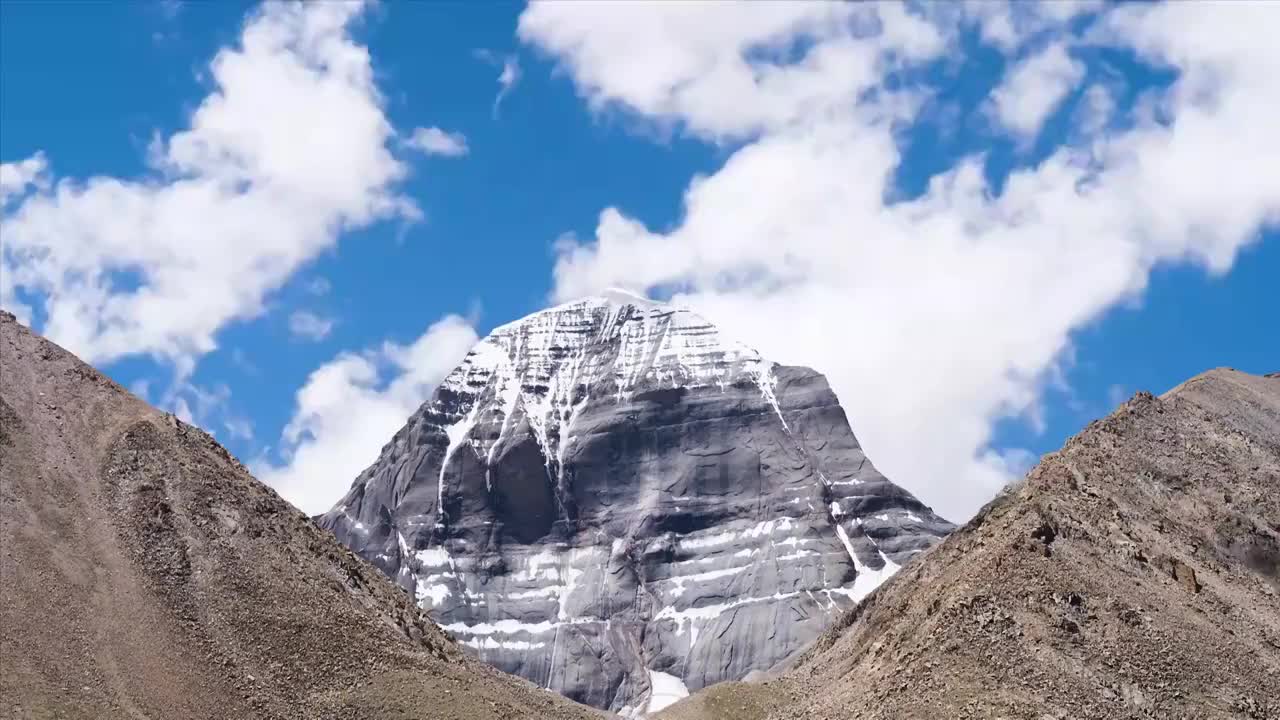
pixel 145 574
pixel 613 501
pixel 1133 574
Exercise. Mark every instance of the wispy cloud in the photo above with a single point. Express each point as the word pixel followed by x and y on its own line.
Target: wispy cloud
pixel 434 141
pixel 319 286
pixel 508 76
pixel 306 325
pixel 1116 394
pixel 239 428
pixel 206 407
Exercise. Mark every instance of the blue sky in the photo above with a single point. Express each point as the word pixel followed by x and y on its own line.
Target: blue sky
pixel 591 123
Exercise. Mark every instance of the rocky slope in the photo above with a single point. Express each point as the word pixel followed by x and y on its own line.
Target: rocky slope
pixel 613 501
pixel 144 573
pixel 1134 574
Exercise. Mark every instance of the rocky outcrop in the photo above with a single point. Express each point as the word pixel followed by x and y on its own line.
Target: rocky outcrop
pixel 613 501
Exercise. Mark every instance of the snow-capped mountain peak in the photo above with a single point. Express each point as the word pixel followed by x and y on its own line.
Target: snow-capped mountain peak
pixel 615 501
pixel 546 366
pixel 617 338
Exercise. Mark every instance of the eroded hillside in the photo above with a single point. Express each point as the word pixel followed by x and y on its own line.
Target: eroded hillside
pixel 1133 574
pixel 145 573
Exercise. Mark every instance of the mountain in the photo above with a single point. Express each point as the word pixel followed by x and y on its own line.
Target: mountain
pixel 1134 574
pixel 614 501
pixel 145 574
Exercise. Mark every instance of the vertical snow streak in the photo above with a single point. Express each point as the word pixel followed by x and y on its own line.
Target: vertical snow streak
pixel 457 434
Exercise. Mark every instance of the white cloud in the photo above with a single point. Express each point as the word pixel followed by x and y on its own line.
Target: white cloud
pixel 141 388
pixel 507 80
pixel 1096 110
pixel 319 286
pixel 933 318
pixel 239 428
pixel 17 177
pixel 351 406
pixel 170 9
pixel 1116 394
pixel 720 68
pixel 289 150
pixel 206 407
pixel 1034 88
pixel 434 141
pixel 241 360
pixel 182 410
pixel 306 325
pixel 508 76
pixel 1010 25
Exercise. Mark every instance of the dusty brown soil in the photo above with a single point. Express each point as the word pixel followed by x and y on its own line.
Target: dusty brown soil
pixel 145 574
pixel 1133 574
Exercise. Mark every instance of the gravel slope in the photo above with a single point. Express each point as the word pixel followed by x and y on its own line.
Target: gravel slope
pixel 145 574
pixel 1133 574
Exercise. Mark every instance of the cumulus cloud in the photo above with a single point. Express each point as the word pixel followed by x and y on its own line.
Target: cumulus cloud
pixel 434 141
pixel 351 406
pixel 306 325
pixel 938 315
pixel 1034 88
pixel 16 177
pixel 288 150
pixel 720 68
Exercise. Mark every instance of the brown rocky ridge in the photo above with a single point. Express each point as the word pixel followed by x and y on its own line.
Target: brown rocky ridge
pixel 1135 573
pixel 145 574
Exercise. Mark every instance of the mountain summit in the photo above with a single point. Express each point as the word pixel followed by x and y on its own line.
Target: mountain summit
pixel 611 499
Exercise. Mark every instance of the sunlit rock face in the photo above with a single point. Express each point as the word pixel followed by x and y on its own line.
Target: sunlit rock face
pixel 609 492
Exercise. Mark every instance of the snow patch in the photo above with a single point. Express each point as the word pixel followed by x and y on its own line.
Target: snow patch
pixel 501 627
pixel 434 593
pixel 665 690
pixel 867 579
pixel 761 529
pixel 457 434
pixel 544 565
pixel 488 643
pixel 766 380
pixel 680 580
pixel 548 591
pixel 432 557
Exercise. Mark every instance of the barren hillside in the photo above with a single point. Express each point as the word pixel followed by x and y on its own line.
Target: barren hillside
pixel 1133 574
pixel 145 573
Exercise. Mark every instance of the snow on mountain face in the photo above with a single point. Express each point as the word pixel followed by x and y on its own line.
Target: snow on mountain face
pixel 613 501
